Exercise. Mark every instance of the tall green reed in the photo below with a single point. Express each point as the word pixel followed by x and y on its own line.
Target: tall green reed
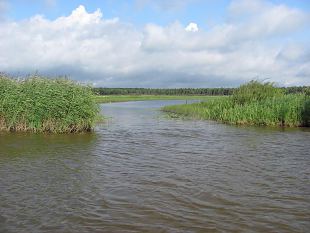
pixel 40 104
pixel 252 104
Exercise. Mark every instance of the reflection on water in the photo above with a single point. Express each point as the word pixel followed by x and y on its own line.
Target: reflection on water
pixel 142 172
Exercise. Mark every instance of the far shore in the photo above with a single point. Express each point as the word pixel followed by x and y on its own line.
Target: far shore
pixel 127 98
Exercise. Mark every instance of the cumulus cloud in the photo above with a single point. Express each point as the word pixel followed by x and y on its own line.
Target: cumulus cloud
pixel 260 19
pixel 109 52
pixel 192 27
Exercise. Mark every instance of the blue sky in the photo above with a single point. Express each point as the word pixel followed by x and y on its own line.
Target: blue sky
pixel 138 12
pixel 152 43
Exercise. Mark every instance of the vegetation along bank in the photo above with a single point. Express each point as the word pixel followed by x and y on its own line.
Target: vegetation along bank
pixel 39 104
pixel 253 103
pixel 126 98
pixel 105 91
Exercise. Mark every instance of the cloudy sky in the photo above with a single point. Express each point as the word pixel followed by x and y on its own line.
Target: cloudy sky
pixel 158 43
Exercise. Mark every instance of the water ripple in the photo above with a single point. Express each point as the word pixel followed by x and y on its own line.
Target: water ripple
pixel 142 172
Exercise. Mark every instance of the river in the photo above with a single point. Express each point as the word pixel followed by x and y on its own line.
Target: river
pixel 144 172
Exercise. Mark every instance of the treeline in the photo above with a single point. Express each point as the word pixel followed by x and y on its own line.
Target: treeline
pixel 181 91
pixel 159 91
pixel 296 90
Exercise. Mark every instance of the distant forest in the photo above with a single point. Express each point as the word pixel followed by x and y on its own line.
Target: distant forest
pixel 181 91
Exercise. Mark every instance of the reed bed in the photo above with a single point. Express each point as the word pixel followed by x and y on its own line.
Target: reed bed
pixel 252 104
pixel 39 104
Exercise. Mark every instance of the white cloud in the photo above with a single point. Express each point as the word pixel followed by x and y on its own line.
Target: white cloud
pixel 79 16
pixel 269 20
pixel 113 53
pixel 192 27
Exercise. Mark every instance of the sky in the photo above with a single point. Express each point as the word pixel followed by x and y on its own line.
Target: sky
pixel 158 43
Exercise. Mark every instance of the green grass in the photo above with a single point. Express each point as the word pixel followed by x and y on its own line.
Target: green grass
pixel 246 107
pixel 39 104
pixel 126 98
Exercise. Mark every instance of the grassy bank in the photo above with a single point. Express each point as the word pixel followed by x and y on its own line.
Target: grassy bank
pixel 39 104
pixel 126 98
pixel 252 104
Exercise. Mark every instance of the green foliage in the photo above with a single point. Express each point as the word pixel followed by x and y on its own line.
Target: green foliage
pixel 296 90
pixel 255 91
pixel 182 91
pixel 126 98
pixel 39 104
pixel 160 91
pixel 305 113
pixel 254 104
pixel 307 91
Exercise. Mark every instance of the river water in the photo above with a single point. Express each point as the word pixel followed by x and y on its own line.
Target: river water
pixel 143 172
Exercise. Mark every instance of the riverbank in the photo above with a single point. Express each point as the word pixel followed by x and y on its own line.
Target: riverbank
pixel 127 98
pixel 252 104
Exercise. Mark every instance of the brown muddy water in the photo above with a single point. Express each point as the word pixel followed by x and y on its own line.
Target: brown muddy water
pixel 143 172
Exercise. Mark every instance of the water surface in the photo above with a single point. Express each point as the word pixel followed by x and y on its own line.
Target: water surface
pixel 144 172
